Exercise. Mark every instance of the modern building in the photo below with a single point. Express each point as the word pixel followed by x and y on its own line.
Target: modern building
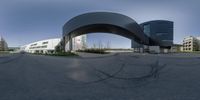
pixel 3 44
pixel 106 22
pixel 49 45
pixel 191 44
pixel 157 33
pixel 160 33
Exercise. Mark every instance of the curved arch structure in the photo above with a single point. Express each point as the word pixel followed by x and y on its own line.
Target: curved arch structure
pixel 104 22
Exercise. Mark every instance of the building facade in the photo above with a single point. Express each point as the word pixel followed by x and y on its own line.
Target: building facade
pixel 49 45
pixel 191 44
pixel 3 44
pixel 160 33
pixel 43 46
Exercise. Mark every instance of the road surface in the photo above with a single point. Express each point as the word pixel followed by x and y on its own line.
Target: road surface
pixel 123 76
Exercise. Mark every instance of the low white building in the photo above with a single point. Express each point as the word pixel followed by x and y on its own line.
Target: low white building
pixel 43 46
pixel 49 45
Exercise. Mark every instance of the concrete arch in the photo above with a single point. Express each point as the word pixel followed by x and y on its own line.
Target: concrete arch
pixel 104 22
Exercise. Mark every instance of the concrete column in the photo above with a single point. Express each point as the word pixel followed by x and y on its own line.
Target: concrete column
pixel 63 44
pixel 70 43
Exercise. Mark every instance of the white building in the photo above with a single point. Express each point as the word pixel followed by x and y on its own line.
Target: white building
pixel 49 45
pixel 43 46
pixel 191 44
pixel 3 44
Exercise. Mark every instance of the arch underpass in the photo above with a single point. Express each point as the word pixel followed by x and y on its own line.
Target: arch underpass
pixel 103 22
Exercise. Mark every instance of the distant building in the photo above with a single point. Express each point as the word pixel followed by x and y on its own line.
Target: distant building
pixel 177 48
pixel 3 44
pixel 191 44
pixel 78 43
pixel 14 49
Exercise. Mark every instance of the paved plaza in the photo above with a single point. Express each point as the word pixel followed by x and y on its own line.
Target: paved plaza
pixel 117 76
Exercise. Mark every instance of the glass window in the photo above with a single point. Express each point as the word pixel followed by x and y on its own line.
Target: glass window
pixel 147 29
pixel 44 46
pixel 34 44
pixel 45 43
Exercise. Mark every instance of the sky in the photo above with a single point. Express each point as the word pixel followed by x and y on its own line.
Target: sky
pixel 26 21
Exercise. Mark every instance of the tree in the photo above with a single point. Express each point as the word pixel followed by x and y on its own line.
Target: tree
pixel 108 45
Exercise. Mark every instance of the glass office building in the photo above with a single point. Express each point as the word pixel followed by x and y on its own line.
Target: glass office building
pixel 160 32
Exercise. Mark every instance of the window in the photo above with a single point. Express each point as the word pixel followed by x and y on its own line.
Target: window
pixel 159 34
pixel 45 42
pixel 44 46
pixel 167 40
pixel 147 29
pixel 34 44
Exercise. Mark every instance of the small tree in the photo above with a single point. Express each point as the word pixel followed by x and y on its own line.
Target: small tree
pixel 108 45
pixel 94 46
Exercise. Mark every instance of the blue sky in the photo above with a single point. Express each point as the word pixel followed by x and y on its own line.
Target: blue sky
pixel 25 21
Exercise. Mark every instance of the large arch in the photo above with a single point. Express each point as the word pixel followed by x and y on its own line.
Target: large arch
pixel 103 22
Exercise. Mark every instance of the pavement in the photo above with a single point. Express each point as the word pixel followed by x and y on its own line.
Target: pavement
pixel 121 76
pixel 90 55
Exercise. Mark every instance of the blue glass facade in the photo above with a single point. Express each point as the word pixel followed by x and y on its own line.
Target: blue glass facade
pixel 147 29
pixel 160 32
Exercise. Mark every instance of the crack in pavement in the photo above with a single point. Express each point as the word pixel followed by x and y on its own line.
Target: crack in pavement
pixel 153 73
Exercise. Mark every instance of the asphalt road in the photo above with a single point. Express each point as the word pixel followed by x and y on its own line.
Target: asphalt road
pixel 124 76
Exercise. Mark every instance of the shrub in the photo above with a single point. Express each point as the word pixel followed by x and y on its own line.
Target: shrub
pixel 63 54
pixel 98 51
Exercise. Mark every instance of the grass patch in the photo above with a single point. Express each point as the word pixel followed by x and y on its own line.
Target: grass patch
pixel 97 51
